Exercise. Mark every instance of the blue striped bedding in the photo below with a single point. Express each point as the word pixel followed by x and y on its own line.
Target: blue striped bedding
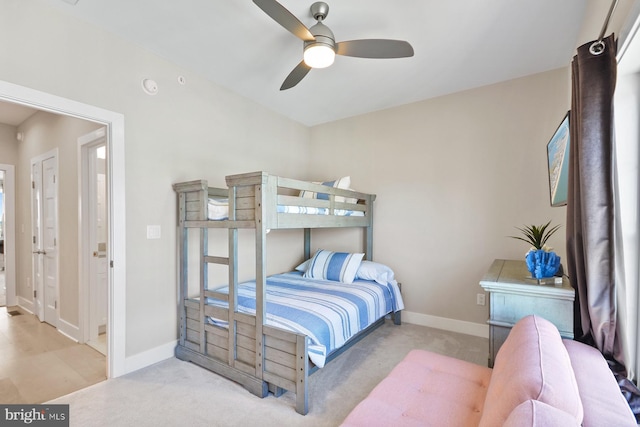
pixel 327 312
pixel 218 209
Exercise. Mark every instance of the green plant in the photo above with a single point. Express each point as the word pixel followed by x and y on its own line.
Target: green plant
pixel 536 235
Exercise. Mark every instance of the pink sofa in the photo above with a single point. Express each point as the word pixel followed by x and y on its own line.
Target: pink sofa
pixel 538 379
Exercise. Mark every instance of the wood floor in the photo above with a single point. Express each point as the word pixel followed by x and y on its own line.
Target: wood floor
pixel 37 363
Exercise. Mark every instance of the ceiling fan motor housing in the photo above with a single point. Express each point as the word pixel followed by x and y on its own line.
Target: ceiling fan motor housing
pixel 323 35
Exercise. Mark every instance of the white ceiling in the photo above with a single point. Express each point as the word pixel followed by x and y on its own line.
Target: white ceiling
pixel 459 44
pixel 14 114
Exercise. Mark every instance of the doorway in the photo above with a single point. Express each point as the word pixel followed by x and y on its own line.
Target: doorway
pixel 114 123
pixel 94 226
pixel 3 286
pixel 7 236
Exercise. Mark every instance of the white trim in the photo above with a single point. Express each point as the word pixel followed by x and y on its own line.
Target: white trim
pixel 9 190
pixel 69 330
pixel 115 125
pixel 628 30
pixel 149 357
pixel 446 324
pixel 26 305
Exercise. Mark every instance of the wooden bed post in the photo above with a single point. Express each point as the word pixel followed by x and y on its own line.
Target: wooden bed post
pixel 302 375
pixel 204 268
pixel 368 235
pixel 261 273
pixel 233 277
pixel 183 240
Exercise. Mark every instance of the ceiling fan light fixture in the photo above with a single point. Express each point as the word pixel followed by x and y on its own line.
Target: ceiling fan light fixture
pixel 319 55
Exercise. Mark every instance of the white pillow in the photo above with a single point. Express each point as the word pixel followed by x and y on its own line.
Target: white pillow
pixel 343 183
pixel 337 266
pixel 303 267
pixel 375 271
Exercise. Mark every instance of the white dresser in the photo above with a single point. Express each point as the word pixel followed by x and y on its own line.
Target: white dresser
pixel 512 296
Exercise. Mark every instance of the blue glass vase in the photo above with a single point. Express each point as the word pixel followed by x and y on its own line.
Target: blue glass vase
pixel 542 264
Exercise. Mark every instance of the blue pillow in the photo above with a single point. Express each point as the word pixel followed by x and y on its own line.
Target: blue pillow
pixel 336 266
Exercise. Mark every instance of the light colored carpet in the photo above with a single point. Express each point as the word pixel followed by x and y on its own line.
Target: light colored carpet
pixel 177 393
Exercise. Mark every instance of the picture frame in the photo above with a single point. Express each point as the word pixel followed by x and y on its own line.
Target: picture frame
pixel 558 163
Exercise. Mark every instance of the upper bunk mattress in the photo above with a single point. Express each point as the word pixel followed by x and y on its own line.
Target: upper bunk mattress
pixel 327 312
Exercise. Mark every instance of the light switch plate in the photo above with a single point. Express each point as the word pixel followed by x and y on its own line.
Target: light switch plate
pixel 153 231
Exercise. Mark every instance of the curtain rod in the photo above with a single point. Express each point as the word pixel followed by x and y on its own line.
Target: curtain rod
pixel 598 46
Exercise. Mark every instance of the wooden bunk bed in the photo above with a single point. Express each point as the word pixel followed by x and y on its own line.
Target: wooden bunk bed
pixel 258 356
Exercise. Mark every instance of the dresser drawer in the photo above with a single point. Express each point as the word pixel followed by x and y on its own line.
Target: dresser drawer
pixel 509 308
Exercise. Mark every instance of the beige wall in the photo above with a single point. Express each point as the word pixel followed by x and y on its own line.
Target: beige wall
pixel 43 132
pixel 8 145
pixel 454 175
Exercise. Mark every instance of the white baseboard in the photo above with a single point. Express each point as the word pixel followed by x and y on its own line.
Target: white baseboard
pixel 26 305
pixel 452 325
pixel 149 357
pixel 65 328
pixel 69 330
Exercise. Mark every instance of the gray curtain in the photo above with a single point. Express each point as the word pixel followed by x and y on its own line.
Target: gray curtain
pixel 591 210
pixel 590 207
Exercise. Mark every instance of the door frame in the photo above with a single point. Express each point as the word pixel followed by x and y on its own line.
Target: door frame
pixel 86 145
pixel 9 225
pixel 114 122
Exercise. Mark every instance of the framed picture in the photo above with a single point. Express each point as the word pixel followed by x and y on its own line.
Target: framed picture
pixel 558 156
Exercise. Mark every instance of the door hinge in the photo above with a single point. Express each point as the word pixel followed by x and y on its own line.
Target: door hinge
pixel 34 240
pixel 33 184
pixel 111 263
pixel 55 241
pixel 54 179
pixel 35 293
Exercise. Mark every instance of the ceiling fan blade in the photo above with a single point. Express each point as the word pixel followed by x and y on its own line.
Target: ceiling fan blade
pixel 295 76
pixel 375 48
pixel 285 18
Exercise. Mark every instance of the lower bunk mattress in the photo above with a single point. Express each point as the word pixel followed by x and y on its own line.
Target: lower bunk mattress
pixel 329 313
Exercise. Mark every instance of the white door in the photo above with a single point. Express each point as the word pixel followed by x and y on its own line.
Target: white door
pixel 98 271
pixel 44 214
pixel 36 241
pixel 94 242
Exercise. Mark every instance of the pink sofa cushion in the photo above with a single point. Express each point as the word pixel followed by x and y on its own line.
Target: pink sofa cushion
pixel 425 388
pixel 604 404
pixel 531 364
pixel 533 413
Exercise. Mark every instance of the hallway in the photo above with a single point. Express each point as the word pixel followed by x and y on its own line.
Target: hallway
pixel 38 364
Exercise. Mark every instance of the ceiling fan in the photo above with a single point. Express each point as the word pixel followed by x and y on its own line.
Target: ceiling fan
pixel 320 47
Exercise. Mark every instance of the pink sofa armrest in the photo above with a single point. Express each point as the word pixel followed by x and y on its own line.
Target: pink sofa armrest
pixel 603 402
pixel 531 364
